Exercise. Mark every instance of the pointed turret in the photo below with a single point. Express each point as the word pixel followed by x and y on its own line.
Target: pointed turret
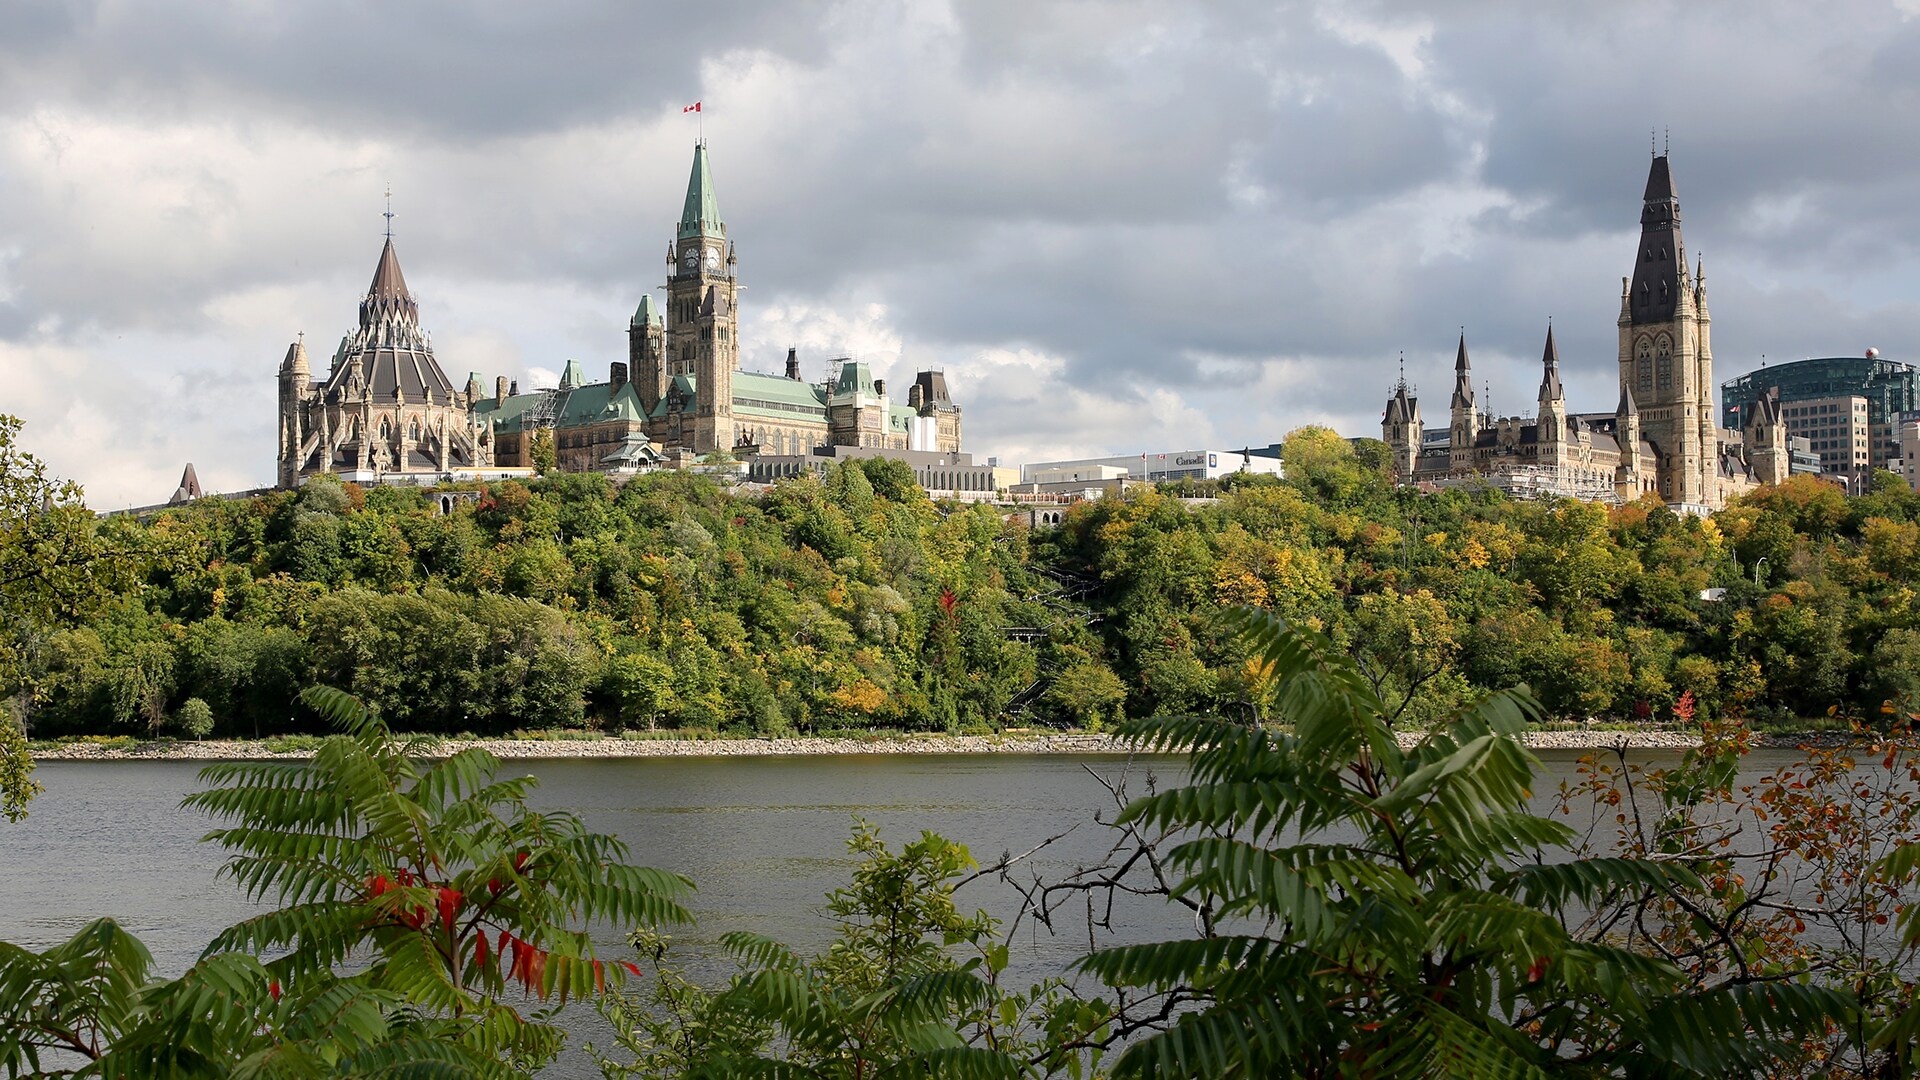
pixel 1462 377
pixel 1402 430
pixel 1550 389
pixel 1397 407
pixel 1660 181
pixel 1660 273
pixel 701 214
pixel 1627 406
pixel 296 362
pixel 388 295
pixel 388 282
pixel 189 488
pixel 573 377
pixel 1464 431
pixel 646 314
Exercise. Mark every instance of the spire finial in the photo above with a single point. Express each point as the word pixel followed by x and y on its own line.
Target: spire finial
pixel 1666 142
pixel 389 211
pixel 1653 150
pixel 303 337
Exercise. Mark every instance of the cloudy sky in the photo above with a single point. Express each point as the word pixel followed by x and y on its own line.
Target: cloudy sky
pixel 1117 226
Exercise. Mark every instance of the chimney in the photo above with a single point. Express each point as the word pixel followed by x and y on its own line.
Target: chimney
pixel 616 377
pixel 513 388
pixel 793 363
pixel 880 387
pixel 500 391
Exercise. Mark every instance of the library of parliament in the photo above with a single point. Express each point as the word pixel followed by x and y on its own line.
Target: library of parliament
pixel 1662 438
pixel 386 411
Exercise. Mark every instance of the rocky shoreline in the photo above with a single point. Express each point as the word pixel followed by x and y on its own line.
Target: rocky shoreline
pixel 1053 743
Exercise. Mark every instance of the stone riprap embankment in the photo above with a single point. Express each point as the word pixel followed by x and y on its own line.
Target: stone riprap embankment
pixel 248 750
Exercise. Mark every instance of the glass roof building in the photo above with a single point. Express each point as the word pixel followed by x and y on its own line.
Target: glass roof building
pixel 1889 387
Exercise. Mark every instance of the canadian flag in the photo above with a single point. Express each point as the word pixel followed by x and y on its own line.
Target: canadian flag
pixel 695 107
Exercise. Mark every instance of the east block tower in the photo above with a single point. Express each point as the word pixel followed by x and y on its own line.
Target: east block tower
pixel 1666 352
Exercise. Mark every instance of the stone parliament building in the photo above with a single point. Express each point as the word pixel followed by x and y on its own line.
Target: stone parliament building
pixel 1662 438
pixel 386 411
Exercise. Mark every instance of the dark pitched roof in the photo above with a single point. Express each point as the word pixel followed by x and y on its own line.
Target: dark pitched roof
pixel 933 388
pixel 1660 271
pixel 388 282
pixel 1628 407
pixel 1660 181
pixel 189 488
pixel 390 350
pixel 1550 389
pixel 1462 377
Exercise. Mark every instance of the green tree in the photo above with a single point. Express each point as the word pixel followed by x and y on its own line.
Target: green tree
pixel 1088 692
pixel 639 687
pixel 909 987
pixel 1393 914
pixel 56 565
pixel 194 718
pixel 541 453
pixel 410 899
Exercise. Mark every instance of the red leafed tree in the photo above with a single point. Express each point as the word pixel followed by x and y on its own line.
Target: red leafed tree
pixel 1806 876
pixel 421 864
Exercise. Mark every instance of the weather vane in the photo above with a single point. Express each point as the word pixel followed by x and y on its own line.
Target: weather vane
pixel 389 211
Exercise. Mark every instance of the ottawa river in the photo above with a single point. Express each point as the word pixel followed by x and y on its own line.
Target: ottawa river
pixel 763 838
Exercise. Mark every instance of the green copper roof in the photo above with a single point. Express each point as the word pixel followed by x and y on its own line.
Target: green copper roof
pixel 701 215
pixel 568 408
pixel 689 389
pixel 775 397
pixel 505 416
pixel 625 405
pixel 645 313
pixel 573 377
pixel 855 378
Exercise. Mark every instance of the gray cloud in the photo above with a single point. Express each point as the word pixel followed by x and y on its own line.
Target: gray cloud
pixel 1111 222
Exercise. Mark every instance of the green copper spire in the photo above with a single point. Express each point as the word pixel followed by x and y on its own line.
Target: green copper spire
pixel 646 314
pixel 702 214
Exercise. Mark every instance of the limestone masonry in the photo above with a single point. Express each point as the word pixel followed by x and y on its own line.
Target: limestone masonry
pixel 1661 438
pixel 386 411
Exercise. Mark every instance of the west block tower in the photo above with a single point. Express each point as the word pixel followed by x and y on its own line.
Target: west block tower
pixel 1666 352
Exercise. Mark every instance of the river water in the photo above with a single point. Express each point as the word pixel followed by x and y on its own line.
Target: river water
pixel 763 838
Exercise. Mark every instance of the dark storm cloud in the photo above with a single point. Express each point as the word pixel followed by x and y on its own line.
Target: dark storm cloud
pixel 434 69
pixel 1110 221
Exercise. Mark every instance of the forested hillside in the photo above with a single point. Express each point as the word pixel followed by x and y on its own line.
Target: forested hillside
pixel 856 602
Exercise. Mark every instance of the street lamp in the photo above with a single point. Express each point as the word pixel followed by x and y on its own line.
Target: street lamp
pixel 1756 569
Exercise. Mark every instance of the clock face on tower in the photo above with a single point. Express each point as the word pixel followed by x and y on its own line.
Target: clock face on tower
pixel 690 258
pixel 712 262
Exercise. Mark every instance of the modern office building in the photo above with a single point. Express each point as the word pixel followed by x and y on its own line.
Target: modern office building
pixel 1817 398
pixel 1908 464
